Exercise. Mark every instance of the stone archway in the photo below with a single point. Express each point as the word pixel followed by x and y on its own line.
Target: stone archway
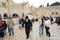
pixel 5 16
pixel 14 15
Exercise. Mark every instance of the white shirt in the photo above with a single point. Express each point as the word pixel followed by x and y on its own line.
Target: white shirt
pixel 47 22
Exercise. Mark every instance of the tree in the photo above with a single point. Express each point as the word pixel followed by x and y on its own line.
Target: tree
pixel 55 4
pixel 47 4
pixel 40 5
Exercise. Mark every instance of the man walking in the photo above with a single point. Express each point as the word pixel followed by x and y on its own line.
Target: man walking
pixel 41 27
pixel 28 26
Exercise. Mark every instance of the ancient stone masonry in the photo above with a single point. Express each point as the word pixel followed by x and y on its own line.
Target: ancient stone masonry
pixel 8 7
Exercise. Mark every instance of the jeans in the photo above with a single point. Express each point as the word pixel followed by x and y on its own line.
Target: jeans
pixel 11 31
pixel 1 38
pixel 41 28
pixel 27 33
pixel 4 31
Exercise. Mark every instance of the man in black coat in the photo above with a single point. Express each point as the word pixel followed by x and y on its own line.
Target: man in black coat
pixel 58 20
pixel 4 27
pixel 28 26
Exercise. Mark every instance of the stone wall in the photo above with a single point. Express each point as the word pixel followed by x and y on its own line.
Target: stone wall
pixel 27 10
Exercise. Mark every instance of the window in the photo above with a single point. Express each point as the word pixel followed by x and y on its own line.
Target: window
pixel 15 15
pixel 56 13
pixel 52 13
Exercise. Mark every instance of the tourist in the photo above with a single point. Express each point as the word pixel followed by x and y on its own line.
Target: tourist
pixel 47 26
pixel 1 29
pixel 51 19
pixel 22 22
pixel 10 24
pixel 57 20
pixel 41 27
pixel 5 27
pixel 32 20
pixel 20 25
pixel 28 26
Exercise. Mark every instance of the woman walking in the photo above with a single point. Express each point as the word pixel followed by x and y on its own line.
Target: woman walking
pixel 10 24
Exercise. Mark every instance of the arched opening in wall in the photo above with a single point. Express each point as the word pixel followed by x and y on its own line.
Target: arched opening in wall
pixel 56 13
pixel 5 16
pixel 0 16
pixel 14 15
pixel 52 13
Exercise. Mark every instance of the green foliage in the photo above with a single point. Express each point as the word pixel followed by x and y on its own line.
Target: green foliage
pixel 55 4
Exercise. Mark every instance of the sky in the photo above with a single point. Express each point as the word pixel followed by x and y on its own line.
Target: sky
pixel 36 3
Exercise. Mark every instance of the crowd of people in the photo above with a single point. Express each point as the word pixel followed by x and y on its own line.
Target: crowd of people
pixel 3 27
pixel 10 25
pixel 27 24
pixel 57 20
pixel 45 22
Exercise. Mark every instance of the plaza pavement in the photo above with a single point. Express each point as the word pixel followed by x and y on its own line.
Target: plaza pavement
pixel 34 35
